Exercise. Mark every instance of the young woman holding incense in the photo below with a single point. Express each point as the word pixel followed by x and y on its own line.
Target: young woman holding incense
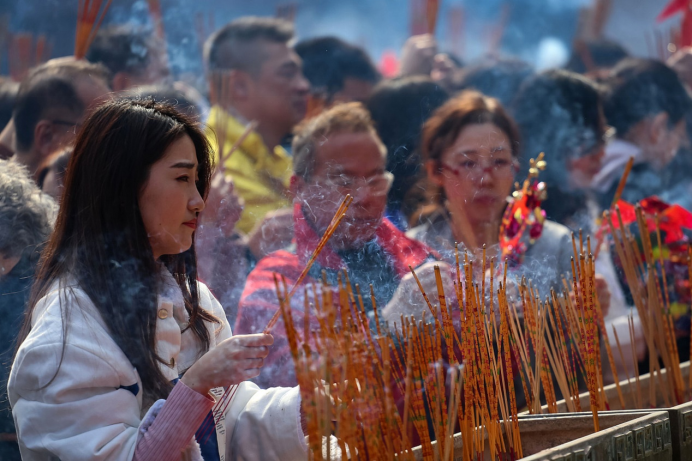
pixel 121 345
pixel 470 149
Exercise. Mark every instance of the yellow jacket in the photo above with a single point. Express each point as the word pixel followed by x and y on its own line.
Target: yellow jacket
pixel 260 176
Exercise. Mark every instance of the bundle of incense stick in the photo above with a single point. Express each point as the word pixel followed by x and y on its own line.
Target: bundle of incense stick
pixel 432 7
pixel 647 282
pixel 90 14
pixel 371 396
pixel 371 392
pixel 617 197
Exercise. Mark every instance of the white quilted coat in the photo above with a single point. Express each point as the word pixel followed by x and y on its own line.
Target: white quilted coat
pixel 84 414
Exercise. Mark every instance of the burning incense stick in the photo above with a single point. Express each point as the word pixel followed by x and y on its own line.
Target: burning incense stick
pixel 432 15
pixel 90 14
pixel 224 155
pixel 339 215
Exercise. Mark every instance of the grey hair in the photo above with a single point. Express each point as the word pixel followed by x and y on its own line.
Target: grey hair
pixel 341 118
pixel 27 214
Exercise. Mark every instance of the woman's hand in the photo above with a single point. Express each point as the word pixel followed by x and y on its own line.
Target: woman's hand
pixel 233 361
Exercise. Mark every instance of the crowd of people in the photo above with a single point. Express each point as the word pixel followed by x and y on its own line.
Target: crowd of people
pixel 143 221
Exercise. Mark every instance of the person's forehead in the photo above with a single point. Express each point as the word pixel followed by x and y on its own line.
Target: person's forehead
pixel 349 152
pixel 480 137
pixel 275 54
pixel 182 149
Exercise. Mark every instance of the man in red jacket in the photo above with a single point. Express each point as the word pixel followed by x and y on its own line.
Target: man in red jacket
pixel 335 154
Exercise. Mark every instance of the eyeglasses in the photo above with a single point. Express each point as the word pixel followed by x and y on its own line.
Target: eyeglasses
pixel 499 167
pixel 378 185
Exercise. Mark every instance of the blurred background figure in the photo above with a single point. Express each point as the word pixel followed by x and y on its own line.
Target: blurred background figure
pixel 263 83
pixel 133 56
pixel 338 72
pixel 646 103
pixel 399 108
pixel 560 114
pixel 420 56
pixel 26 220
pixel 8 96
pixel 601 56
pixel 335 154
pixel 680 62
pixel 51 174
pixel 51 105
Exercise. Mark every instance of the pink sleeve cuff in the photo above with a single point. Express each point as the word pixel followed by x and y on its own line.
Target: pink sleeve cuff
pixel 174 427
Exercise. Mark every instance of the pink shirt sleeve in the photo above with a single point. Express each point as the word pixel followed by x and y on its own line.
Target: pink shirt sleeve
pixel 174 426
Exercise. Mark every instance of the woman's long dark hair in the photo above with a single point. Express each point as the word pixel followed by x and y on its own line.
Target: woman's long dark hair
pixel 100 239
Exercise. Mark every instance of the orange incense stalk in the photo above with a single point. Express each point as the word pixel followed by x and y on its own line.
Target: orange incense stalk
pixel 344 206
pixel 157 19
pixel 432 15
pixel 90 14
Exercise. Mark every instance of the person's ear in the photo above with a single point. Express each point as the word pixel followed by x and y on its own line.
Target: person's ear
pixel 120 81
pixel 659 125
pixel 44 138
pixel 434 172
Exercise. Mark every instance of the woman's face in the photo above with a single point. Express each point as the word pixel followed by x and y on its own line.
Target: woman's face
pixel 170 202
pixel 477 172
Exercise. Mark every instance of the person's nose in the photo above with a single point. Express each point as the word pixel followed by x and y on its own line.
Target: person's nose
pixel 302 85
pixel 484 174
pixel 196 203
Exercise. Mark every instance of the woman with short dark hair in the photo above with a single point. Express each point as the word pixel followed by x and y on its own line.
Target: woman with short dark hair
pixel 117 321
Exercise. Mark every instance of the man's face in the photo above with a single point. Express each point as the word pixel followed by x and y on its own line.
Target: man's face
pixel 91 92
pixel 279 91
pixel 347 163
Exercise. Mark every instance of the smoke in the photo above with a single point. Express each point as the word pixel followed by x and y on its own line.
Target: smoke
pixel 376 25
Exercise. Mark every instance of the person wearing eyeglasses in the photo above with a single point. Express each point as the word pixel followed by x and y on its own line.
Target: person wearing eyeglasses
pixel 470 149
pixel 334 154
pixel 52 102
